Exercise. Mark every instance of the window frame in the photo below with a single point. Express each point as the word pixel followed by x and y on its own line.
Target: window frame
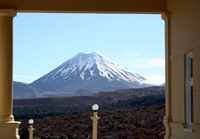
pixel 189 106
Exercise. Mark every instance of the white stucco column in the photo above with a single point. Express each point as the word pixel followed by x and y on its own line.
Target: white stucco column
pixel 8 128
pixel 95 119
pixel 167 118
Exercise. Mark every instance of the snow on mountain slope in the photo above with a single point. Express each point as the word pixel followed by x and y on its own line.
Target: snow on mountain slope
pixel 89 72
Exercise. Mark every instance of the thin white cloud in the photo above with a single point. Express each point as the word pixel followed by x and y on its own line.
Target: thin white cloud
pixel 149 63
pixel 48 62
pixel 25 76
pixel 28 82
pixel 156 79
pixel 132 55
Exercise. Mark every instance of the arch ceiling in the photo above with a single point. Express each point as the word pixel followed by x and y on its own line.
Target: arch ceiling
pixel 85 6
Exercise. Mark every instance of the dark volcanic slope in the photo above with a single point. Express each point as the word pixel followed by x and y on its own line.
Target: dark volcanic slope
pixel 21 90
pixel 139 92
pixel 99 98
pixel 142 122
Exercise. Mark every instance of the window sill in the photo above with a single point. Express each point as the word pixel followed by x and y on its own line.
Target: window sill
pixel 188 130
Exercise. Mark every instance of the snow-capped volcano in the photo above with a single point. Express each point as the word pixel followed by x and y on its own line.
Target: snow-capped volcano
pixel 89 72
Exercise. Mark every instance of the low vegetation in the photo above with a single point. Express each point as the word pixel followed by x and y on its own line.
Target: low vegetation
pixel 135 123
pixel 39 112
pixel 125 114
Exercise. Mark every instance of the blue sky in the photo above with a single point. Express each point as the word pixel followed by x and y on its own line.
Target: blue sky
pixel 44 41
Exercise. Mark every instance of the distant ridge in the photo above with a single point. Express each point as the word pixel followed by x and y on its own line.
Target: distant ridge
pixel 21 90
pixel 99 98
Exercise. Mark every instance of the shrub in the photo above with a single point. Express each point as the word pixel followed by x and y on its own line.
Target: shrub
pixel 62 136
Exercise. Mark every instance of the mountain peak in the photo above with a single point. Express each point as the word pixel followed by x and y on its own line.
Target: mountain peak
pixel 88 56
pixel 90 71
pixel 89 53
pixel 87 60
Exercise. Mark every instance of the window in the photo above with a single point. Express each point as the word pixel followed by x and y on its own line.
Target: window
pixel 189 89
